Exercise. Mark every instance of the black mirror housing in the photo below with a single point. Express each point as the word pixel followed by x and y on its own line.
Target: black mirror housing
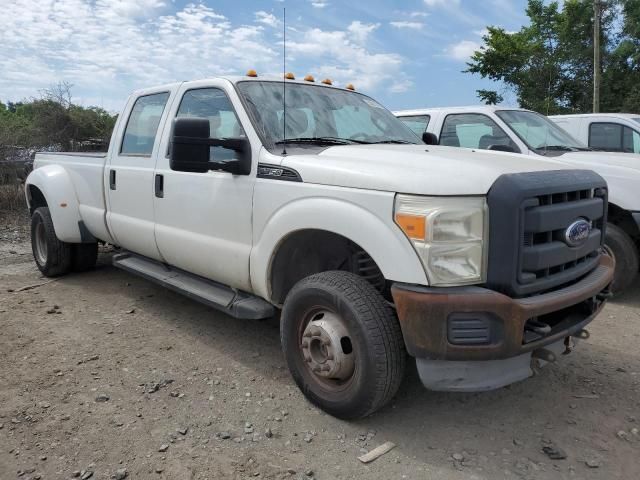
pixel 190 149
pixel 429 138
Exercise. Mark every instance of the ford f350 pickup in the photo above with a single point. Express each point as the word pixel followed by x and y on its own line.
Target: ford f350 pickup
pixel 478 264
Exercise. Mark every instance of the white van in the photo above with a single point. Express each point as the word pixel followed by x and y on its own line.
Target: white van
pixel 609 132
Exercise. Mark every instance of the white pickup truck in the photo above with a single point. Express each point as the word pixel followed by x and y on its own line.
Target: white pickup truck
pixel 480 265
pixel 608 132
pixel 529 133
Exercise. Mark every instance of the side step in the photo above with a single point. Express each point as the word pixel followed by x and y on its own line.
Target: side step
pixel 233 302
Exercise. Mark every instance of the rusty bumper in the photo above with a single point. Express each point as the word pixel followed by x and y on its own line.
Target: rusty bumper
pixel 426 315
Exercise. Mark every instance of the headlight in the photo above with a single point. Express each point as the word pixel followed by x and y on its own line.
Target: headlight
pixel 449 234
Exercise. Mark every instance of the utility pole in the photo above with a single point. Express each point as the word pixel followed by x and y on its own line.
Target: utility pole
pixel 596 56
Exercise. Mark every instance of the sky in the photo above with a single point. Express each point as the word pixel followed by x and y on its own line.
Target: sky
pixel 406 54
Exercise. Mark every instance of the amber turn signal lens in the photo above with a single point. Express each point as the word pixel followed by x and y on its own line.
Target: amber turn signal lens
pixel 414 226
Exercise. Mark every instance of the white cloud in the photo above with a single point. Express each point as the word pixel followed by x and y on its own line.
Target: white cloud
pixel 319 4
pixel 441 3
pixel 343 57
pixel 361 31
pixel 404 24
pixel 266 18
pixel 462 50
pixel 108 48
pixel 418 14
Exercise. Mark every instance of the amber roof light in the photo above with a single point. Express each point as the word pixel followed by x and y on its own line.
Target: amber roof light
pixel 252 73
pixel 350 86
pixel 309 78
pixel 327 81
pixel 289 76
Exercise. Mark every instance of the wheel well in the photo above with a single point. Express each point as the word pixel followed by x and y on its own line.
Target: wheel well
pixel 37 198
pixel 623 219
pixel 306 252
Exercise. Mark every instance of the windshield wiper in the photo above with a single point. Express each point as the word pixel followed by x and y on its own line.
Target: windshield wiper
pixel 321 141
pixel 403 142
pixel 562 148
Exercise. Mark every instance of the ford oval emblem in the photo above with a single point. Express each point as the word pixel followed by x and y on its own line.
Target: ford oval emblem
pixel 577 233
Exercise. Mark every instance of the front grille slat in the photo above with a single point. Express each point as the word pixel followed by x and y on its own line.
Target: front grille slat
pixel 559 216
pixel 556 253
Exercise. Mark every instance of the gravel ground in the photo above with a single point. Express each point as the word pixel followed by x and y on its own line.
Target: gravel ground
pixel 104 375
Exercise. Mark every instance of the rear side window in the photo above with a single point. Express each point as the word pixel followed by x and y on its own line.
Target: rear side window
pixel 613 137
pixel 142 126
pixel 473 130
pixel 417 123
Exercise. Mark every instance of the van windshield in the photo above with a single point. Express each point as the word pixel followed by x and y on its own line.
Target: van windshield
pixel 539 133
pixel 320 116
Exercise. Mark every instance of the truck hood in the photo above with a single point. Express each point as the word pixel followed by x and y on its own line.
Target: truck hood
pixel 594 159
pixel 416 169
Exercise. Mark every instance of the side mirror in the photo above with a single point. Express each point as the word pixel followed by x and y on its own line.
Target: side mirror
pixel 503 148
pixel 429 138
pixel 191 145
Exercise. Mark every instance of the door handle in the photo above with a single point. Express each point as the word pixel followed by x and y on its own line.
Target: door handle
pixel 159 187
pixel 112 179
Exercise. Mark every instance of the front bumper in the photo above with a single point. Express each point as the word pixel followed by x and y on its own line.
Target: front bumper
pixel 425 315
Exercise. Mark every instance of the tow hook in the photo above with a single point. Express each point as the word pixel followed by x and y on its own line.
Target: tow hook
pixel 544 354
pixel 582 334
pixel 604 295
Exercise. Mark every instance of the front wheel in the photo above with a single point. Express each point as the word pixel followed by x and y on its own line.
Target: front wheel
pixel 621 247
pixel 342 343
pixel 52 256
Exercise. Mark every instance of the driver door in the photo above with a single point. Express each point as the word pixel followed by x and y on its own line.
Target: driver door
pixel 203 220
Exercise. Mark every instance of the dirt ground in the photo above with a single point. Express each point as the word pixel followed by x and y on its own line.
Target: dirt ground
pixel 103 372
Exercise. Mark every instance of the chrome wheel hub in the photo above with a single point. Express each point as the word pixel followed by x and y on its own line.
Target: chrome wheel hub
pixel 41 244
pixel 326 347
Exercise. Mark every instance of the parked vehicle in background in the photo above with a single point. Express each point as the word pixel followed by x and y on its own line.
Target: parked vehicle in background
pixel 529 133
pixel 609 132
pixel 334 212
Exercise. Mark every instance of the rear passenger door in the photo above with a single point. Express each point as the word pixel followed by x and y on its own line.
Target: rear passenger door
pixel 130 175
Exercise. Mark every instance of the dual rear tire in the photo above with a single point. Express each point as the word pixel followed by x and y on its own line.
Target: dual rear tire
pixel 54 257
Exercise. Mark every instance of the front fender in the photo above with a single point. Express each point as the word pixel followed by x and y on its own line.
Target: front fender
pixel 383 241
pixel 56 186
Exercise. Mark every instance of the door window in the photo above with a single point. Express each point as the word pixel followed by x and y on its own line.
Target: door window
pixel 417 123
pixel 214 105
pixel 142 126
pixel 614 137
pixel 473 130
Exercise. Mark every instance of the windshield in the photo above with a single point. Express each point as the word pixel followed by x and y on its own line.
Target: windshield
pixel 320 115
pixel 538 132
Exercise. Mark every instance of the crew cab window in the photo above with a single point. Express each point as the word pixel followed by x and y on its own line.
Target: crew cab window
pixel 417 123
pixel 214 105
pixel 473 130
pixel 142 125
pixel 613 137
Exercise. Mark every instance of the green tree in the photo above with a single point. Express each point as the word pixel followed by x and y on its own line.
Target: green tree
pixel 548 64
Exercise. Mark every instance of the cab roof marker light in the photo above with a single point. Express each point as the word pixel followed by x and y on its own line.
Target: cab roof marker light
pixel 252 73
pixel 327 81
pixel 289 76
pixel 350 87
pixel 309 78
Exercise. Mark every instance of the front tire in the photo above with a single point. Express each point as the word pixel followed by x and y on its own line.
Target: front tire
pixel 342 343
pixel 624 251
pixel 52 256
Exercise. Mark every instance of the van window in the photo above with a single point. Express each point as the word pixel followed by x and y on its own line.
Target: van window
pixel 417 123
pixel 214 105
pixel 473 130
pixel 142 125
pixel 613 137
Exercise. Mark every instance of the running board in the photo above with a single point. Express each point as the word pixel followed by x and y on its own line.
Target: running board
pixel 233 302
